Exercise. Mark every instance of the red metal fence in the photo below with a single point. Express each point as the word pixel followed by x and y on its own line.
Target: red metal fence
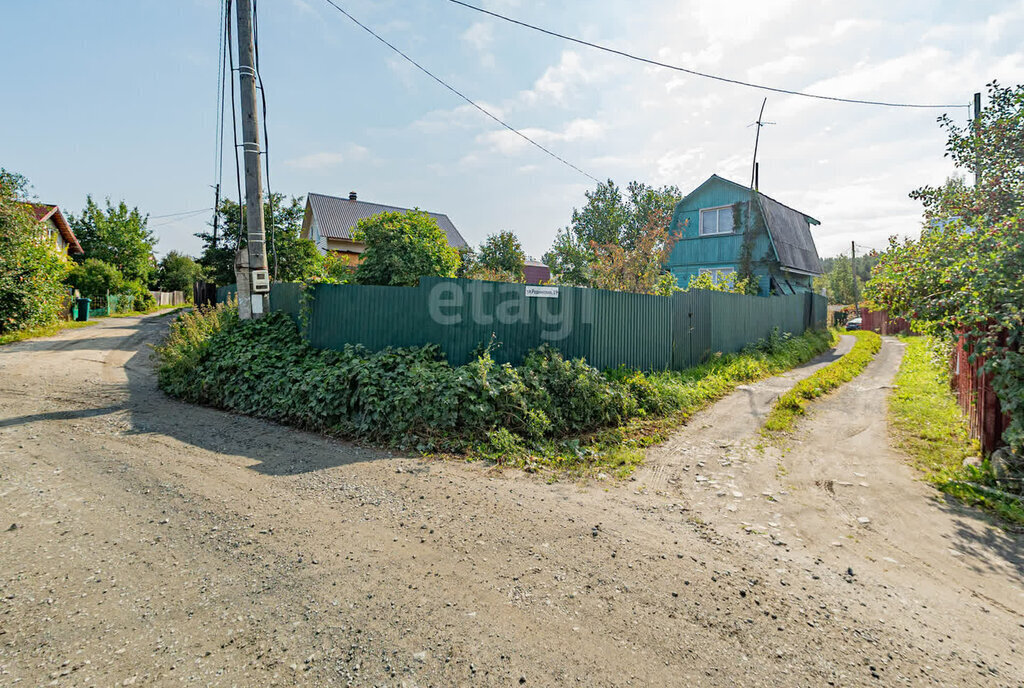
pixel 976 398
pixel 880 322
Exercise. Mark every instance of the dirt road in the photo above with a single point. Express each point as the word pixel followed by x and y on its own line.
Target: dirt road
pixel 154 543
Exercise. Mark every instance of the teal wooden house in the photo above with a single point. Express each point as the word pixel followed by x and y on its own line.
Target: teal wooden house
pixel 726 228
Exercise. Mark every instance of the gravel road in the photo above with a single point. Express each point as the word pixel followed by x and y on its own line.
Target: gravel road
pixel 147 542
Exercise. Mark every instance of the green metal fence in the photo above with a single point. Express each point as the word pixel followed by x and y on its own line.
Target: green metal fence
pixel 607 328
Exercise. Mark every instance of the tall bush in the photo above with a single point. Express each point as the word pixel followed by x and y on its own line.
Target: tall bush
pixel 402 247
pixel 32 270
pixel 116 235
pixel 95 279
pixel 965 274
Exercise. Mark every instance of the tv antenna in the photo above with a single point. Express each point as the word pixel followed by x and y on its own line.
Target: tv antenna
pixel 760 123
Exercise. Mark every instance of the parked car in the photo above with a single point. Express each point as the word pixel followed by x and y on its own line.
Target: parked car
pixel 853 324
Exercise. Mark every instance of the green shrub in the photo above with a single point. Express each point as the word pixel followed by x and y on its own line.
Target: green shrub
pixel 412 398
pixel 139 297
pixel 32 270
pixel 95 279
pixel 187 343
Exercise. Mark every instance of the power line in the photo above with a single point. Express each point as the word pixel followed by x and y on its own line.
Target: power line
pixel 234 123
pixel 694 72
pixel 266 140
pixel 460 94
pixel 218 129
pixel 181 218
pixel 183 212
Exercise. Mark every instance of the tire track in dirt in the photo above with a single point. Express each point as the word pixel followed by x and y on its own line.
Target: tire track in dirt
pixel 160 543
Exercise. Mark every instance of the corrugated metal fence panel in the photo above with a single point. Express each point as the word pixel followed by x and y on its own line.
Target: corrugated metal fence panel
pixel 692 322
pixel 634 330
pixel 224 293
pixel 606 328
pixel 286 297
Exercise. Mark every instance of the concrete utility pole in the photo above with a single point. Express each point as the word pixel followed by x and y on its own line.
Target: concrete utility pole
pixel 250 263
pixel 977 128
pixel 216 213
pixel 853 269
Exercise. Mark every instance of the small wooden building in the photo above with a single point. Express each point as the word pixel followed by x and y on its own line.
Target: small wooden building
pixel 723 225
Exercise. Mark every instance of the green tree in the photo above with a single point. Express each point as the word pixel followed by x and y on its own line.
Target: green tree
pixel 993 143
pixel 32 270
pixel 115 235
pixel 95 278
pixel 402 247
pixel 965 274
pixel 297 259
pixel 502 253
pixel 178 272
pixel 608 217
pixel 640 268
pixel 838 280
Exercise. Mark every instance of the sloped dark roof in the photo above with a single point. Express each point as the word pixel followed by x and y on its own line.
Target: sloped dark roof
pixel 791 234
pixel 337 217
pixel 48 211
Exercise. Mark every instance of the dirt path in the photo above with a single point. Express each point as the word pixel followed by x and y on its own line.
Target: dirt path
pixel 158 543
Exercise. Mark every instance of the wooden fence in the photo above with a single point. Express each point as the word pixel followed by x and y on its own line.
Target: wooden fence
pixel 882 323
pixel 168 298
pixel 976 397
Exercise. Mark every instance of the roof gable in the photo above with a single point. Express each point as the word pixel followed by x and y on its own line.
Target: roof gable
pixel 337 217
pixel 788 228
pixel 46 211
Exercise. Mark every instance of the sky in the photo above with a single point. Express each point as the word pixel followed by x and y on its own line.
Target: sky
pixel 117 98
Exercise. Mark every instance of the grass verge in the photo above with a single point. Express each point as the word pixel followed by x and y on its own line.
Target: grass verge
pixel 547 414
pixel 793 404
pixel 44 331
pixel 929 426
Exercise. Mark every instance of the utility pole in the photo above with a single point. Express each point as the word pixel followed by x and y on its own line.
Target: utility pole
pixel 250 263
pixel 853 269
pixel 216 213
pixel 977 130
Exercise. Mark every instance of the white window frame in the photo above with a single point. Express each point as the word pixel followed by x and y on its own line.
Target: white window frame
pixel 717 273
pixel 716 210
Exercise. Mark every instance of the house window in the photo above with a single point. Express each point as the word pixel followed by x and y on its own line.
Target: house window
pixel 717 274
pixel 716 220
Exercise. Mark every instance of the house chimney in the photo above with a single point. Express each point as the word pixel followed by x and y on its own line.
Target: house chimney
pixel 351 195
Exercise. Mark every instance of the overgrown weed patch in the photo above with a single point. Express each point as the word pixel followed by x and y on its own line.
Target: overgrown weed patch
pixel 549 414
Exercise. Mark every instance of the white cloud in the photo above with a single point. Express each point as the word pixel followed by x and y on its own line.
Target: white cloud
pixel 509 143
pixel 479 35
pixel 571 74
pixel 328 159
pixel 460 117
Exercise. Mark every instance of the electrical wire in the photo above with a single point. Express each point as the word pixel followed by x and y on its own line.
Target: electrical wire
pixel 460 94
pixel 266 141
pixel 704 75
pixel 224 48
pixel 218 144
pixel 234 127
pixel 182 218
pixel 183 212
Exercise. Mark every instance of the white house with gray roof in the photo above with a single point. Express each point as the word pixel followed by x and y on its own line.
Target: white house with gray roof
pixel 330 221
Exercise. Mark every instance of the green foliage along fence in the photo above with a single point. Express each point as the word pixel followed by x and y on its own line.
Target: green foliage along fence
pixel 606 328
